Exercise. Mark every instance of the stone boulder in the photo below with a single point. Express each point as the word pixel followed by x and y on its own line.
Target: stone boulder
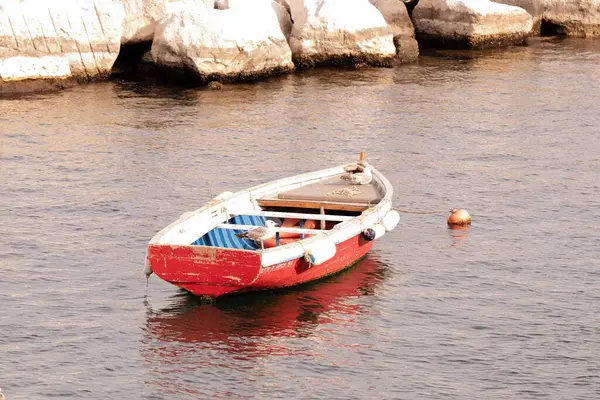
pixel 397 18
pixel 73 40
pixel 562 17
pixel 470 24
pixel 337 32
pixel 142 16
pixel 203 45
pixel 579 18
pixel 227 4
pixel 535 8
pixel 281 8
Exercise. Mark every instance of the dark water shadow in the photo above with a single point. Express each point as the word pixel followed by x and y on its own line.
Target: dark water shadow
pixel 293 312
pixel 147 87
pixel 535 50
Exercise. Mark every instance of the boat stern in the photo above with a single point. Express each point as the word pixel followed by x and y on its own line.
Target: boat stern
pixel 202 270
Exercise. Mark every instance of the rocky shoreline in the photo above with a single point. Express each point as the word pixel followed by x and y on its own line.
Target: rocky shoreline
pixel 51 46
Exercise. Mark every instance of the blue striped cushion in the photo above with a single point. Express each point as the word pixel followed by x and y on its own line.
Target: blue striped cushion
pixel 226 237
pixel 201 241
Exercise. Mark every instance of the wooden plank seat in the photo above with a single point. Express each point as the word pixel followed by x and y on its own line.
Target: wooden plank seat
pixel 326 205
pixel 318 217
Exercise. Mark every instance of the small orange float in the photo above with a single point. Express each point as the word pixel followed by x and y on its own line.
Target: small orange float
pixel 459 218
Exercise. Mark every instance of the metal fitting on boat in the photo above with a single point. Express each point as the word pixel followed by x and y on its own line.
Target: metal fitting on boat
pixel 147 268
pixel 374 232
pixel 369 234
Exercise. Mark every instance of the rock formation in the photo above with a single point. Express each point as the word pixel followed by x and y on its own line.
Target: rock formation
pixel 396 16
pixel 579 18
pixel 535 8
pixel 335 32
pixel 204 45
pixel 281 8
pixel 563 17
pixel 46 45
pixel 142 16
pixel 470 24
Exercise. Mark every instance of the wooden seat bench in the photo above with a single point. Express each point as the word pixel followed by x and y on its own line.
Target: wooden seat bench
pixel 326 205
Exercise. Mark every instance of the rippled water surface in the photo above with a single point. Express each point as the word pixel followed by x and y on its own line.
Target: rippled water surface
pixel 505 310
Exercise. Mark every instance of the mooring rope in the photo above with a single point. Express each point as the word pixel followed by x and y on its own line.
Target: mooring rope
pixel 420 212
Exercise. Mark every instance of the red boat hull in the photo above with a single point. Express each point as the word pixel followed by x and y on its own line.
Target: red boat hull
pixel 212 272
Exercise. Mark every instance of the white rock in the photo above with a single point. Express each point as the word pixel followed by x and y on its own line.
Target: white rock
pixel 227 4
pixel 221 44
pixel 339 32
pixel 141 17
pixel 397 18
pixel 470 23
pixel 73 39
pixel 573 17
pixel 566 17
pixel 283 13
pixel 45 67
pixel 535 8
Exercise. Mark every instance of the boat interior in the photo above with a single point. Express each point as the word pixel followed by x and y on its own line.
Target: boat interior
pixel 299 213
pixel 333 194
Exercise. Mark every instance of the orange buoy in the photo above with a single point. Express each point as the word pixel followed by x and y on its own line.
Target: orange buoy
pixel 459 218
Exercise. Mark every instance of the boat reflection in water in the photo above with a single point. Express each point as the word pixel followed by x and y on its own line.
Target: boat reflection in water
pixel 257 325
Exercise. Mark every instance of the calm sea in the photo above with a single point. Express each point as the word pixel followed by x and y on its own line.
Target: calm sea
pixel 505 310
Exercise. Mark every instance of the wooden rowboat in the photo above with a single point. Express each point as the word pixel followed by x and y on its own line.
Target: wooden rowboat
pixel 326 225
